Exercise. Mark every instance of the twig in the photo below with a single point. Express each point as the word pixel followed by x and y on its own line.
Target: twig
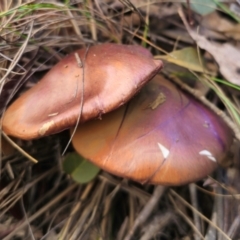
pixel 41 211
pixel 147 210
pixel 160 221
pixel 201 215
pixel 186 218
pixel 65 229
pixel 193 195
pixel 81 97
pixel 107 206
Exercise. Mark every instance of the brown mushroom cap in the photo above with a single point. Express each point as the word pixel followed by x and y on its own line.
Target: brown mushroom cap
pixel 112 75
pixel 162 136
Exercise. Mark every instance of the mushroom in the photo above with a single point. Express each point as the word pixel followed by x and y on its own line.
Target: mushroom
pixel 95 80
pixel 162 136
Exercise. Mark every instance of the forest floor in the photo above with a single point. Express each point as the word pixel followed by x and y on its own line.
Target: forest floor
pixel 199 44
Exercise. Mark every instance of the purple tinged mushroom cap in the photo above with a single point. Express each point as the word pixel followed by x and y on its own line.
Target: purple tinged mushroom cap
pixel 162 136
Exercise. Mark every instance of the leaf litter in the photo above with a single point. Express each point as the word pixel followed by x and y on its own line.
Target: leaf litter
pixel 42 201
pixel 226 55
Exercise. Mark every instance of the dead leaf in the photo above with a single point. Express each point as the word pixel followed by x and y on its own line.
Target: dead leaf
pixel 161 98
pixel 226 55
pixel 209 21
pixel 224 28
pixel 233 32
pixel 187 57
pixel 158 10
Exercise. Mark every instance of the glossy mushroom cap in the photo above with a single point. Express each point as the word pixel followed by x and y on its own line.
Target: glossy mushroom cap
pixel 111 74
pixel 162 136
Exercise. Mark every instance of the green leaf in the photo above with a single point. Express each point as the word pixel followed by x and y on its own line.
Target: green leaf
pixel 81 170
pixel 186 57
pixel 203 7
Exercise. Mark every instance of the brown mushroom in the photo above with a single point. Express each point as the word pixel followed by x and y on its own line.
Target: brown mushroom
pixel 104 76
pixel 162 136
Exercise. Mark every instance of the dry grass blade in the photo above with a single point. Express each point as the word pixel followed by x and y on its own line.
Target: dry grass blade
pixel 18 55
pixel 81 227
pixel 104 225
pixel 157 225
pixel 137 192
pixel 186 218
pixel 81 64
pixel 74 210
pixel 32 159
pixel 202 216
pixel 234 227
pixel 21 190
pixel 193 195
pixel 147 210
pixel 41 211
